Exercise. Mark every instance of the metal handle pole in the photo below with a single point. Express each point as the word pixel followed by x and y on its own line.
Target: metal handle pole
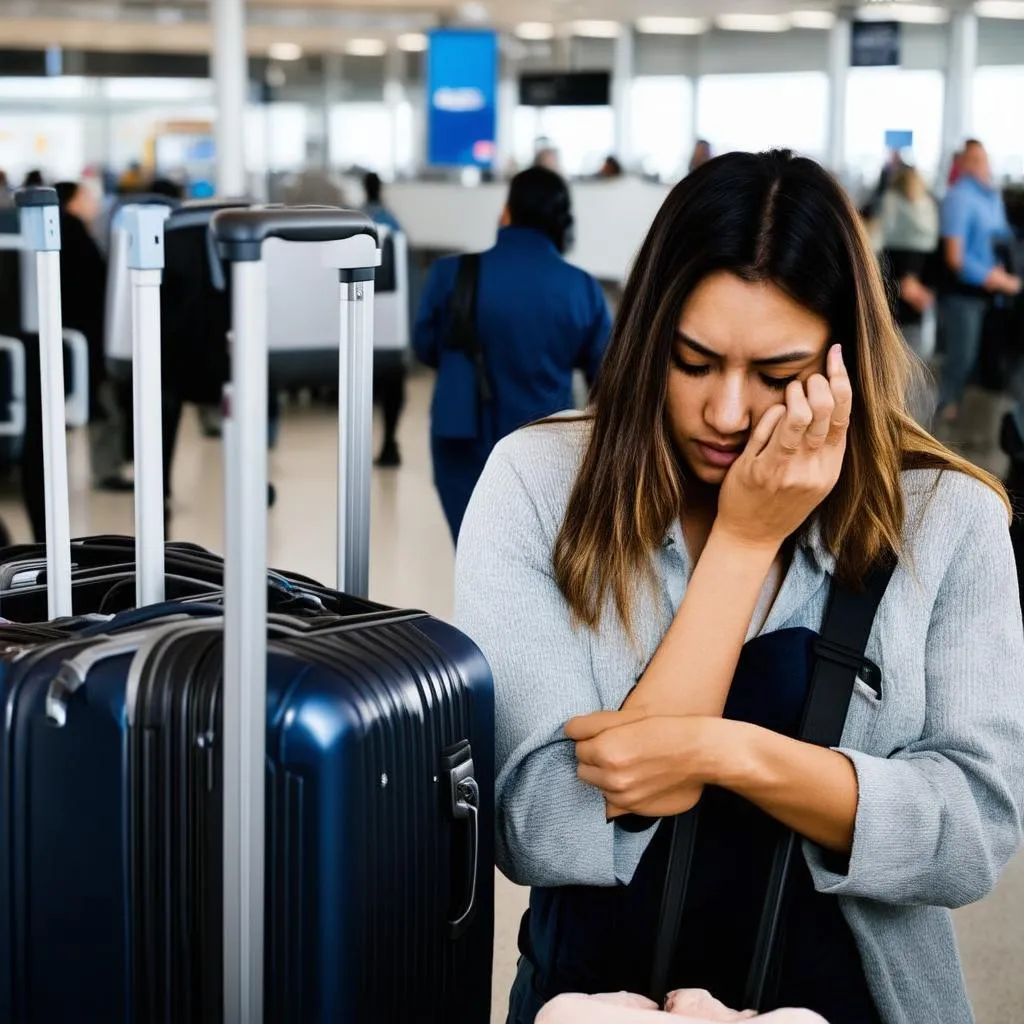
pixel 245 680
pixel 355 431
pixel 40 233
pixel 145 230
pixel 149 441
pixel 55 452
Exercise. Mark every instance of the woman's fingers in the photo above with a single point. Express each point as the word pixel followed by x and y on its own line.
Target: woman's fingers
pixel 789 437
pixel 822 403
pixel 842 394
pixel 586 727
pixel 764 430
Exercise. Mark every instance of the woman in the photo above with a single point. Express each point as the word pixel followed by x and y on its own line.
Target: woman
pixel 505 331
pixel 632 574
pixel 910 239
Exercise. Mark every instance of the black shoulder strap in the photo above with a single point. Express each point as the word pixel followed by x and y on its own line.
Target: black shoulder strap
pixel 462 332
pixel 839 658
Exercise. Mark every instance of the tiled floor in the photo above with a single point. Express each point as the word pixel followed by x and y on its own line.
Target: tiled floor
pixel 411 565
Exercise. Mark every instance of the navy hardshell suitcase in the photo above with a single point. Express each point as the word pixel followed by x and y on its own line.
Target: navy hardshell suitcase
pixel 379 900
pixel 378 806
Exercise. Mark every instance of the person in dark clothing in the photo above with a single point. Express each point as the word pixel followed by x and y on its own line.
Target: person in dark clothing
pixel 537 319
pixel 389 367
pixel 83 280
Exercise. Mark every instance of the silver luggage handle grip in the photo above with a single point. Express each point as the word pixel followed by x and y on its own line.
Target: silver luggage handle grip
pixel 40 232
pixel 72 673
pixel 240 234
pixel 468 806
pixel 464 805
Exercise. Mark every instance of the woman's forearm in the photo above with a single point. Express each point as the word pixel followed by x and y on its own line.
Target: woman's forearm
pixel 810 789
pixel 692 670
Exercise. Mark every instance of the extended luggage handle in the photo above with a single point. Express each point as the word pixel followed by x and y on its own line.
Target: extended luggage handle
pixel 240 235
pixel 144 226
pixel 40 230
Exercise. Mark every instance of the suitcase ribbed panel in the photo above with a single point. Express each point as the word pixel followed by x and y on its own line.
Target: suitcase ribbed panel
pixel 171 786
pixel 399 840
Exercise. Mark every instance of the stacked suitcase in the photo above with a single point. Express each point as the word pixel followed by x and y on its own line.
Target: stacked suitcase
pixel 244 796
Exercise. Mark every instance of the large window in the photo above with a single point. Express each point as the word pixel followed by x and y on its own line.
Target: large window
pixel 583 136
pixel 757 112
pixel 893 99
pixel 661 125
pixel 363 135
pixel 997 117
pixel 275 137
pixel 52 143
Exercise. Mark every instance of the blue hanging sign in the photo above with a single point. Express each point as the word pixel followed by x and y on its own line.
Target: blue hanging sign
pixel 462 89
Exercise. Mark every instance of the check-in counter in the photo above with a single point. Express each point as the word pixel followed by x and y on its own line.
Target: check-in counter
pixel 612 218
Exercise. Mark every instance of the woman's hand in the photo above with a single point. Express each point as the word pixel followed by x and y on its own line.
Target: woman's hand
pixel 792 461
pixel 652 766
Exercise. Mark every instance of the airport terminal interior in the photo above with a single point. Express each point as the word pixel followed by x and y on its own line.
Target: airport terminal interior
pixel 421 112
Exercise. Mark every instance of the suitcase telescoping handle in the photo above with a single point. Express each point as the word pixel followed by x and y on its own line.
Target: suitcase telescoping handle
pixel 240 235
pixel 40 231
pixel 144 226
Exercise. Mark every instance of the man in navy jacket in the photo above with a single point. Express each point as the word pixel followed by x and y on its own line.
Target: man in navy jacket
pixel 538 318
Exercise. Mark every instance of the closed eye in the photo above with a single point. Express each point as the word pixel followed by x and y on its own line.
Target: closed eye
pixel 778 383
pixel 691 369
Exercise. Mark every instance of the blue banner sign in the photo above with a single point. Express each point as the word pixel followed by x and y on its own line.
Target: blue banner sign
pixel 462 87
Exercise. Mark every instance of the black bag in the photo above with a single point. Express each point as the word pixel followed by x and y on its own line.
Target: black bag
pixel 840 658
pixel 462 333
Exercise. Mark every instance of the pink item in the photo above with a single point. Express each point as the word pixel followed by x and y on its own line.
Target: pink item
pixel 694 1006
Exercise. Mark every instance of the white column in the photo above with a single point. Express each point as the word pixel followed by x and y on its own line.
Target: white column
pixel 622 91
pixel 958 116
pixel 333 64
pixel 96 125
pixel 230 74
pixel 840 41
pixel 394 97
pixel 508 100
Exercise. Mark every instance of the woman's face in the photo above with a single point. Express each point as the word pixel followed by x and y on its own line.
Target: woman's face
pixel 738 345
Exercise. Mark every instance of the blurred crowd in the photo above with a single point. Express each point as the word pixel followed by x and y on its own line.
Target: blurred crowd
pixel 953 264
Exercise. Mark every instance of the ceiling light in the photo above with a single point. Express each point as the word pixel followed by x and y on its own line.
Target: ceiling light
pixel 412 42
pixel 596 29
pixel 535 31
pixel 672 26
pixel 284 51
pixel 656 26
pixel 999 9
pixel 919 14
pixel 812 19
pixel 753 22
pixel 472 10
pixel 366 48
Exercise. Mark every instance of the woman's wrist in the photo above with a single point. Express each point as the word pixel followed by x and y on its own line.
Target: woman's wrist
pixel 752 551
pixel 726 753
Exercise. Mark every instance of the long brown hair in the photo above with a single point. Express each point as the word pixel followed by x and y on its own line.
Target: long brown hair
pixel 766 217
